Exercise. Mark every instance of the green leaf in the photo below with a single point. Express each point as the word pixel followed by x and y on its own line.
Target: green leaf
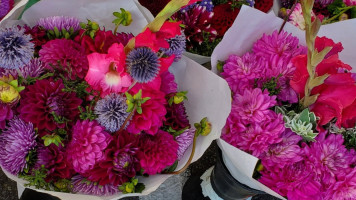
pixel 315 26
pixel 172 167
pixel 56 32
pixel 304 115
pixel 317 81
pixel 319 56
pixel 139 110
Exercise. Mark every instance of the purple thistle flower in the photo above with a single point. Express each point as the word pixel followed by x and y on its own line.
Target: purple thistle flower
pixel 143 64
pixel 111 112
pixel 15 144
pixel 16 50
pixel 61 22
pixel 84 186
pixel 33 69
pixel 176 46
pixel 184 140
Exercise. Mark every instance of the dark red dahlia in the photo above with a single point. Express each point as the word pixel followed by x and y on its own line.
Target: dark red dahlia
pixel 176 117
pixel 224 17
pixel 38 35
pixel 120 163
pixel 154 6
pixel 263 5
pixel 41 101
pixel 53 159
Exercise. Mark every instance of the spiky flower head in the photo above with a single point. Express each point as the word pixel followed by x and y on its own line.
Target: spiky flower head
pixel 33 69
pixel 111 112
pixel 83 186
pixel 176 46
pixel 16 142
pixel 16 50
pixel 143 64
pixel 184 141
pixel 60 22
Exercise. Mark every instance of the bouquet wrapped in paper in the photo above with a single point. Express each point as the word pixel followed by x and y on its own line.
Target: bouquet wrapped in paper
pixel 291 130
pixel 97 104
pixel 205 22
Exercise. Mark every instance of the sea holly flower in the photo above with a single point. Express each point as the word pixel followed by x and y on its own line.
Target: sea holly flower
pixel 107 71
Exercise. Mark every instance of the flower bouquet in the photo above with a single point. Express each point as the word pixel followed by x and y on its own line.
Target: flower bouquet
pixel 205 23
pixel 88 112
pixel 291 130
pixel 328 11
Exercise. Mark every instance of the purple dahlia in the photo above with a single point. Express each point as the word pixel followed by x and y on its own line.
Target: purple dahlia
pixel 16 142
pixel 83 186
pixel 120 162
pixel 41 101
pixel 66 56
pixel 87 145
pixel 157 152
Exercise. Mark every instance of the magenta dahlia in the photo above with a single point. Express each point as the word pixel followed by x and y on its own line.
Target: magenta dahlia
pixel 344 188
pixel 184 141
pixel 16 142
pixel 66 56
pixel 157 152
pixel 83 186
pixel 176 117
pixel 5 114
pixel 120 162
pixel 284 153
pixel 53 158
pixel 153 112
pixel 168 84
pixel 241 72
pixel 296 181
pixel 41 101
pixel 87 145
pixel 281 44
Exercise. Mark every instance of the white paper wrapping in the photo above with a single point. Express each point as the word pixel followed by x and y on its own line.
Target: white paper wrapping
pixel 208 95
pixel 247 28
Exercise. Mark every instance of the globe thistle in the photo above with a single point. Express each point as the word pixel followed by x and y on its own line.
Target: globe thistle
pixel 176 46
pixel 83 186
pixel 60 22
pixel 111 112
pixel 16 142
pixel 143 64
pixel 16 50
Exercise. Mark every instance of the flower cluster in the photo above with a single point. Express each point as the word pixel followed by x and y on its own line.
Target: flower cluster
pixel 87 107
pixel 303 151
pixel 206 21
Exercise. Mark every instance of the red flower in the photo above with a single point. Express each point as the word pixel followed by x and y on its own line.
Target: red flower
pixel 337 95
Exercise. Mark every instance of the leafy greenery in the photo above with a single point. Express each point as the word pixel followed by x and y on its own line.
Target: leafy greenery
pixel 173 132
pixel 135 101
pixel 203 127
pixel 178 98
pixel 32 80
pixel 172 167
pixel 52 139
pixel 206 48
pixel 337 9
pixel 57 34
pixel 122 18
pixel 59 119
pixel 90 28
pixel 88 113
pixel 63 185
pixel 77 86
pixel 271 85
pixel 220 66
pixel 37 178
pixel 132 187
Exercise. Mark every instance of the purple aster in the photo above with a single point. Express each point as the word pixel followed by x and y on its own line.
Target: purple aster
pixel 241 72
pixel 16 142
pixel 282 44
pixel 329 156
pixel 184 141
pixel 176 46
pixel 143 64
pixel 111 112
pixel 284 153
pixel 61 22
pixel 16 50
pixel 5 114
pixel 33 69
pixel 5 7
pixel 83 186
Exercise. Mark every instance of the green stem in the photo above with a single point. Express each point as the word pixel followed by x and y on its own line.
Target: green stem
pixel 116 27
pixel 287 17
pixel 336 16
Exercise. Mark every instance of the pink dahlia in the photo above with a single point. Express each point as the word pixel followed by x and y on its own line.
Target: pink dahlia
pixel 296 181
pixel 120 162
pixel 281 44
pixel 157 152
pixel 5 114
pixel 87 145
pixel 253 105
pixel 241 72
pixel 328 156
pixel 168 84
pixel 284 153
pixel 41 101
pixel 153 113
pixel 176 117
pixel 53 158
pixel 344 188
pixel 66 56
pixel 350 2
pixel 107 71
pixel 184 141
